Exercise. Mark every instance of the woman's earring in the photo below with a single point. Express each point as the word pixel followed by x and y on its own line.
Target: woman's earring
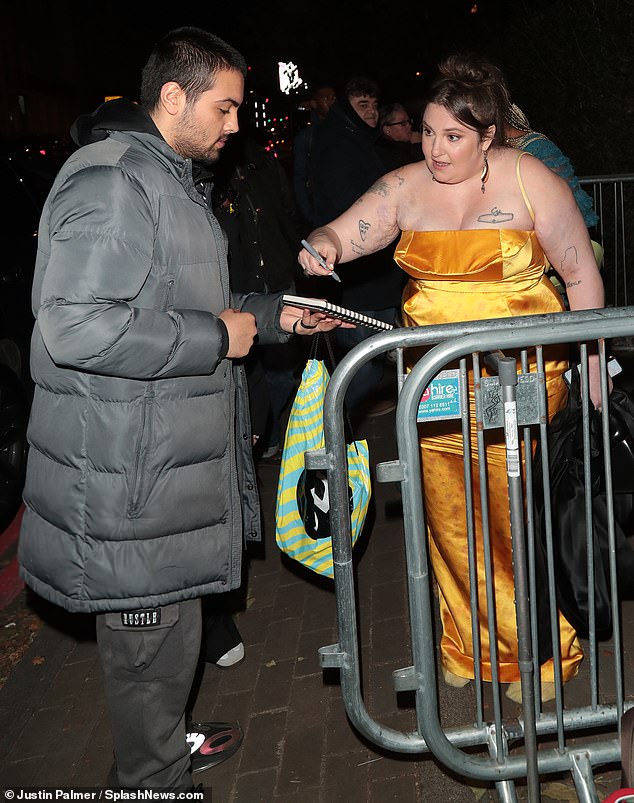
pixel 484 175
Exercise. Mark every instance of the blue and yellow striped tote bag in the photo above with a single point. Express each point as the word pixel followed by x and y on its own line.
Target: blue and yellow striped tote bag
pixel 305 432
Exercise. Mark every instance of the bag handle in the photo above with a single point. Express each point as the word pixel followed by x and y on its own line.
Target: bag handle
pixel 314 346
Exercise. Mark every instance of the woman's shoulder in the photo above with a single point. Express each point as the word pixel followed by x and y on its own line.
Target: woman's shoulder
pixel 520 167
pixel 408 173
pixel 397 183
pixel 411 177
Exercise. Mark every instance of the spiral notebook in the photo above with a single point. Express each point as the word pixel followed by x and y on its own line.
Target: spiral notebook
pixel 344 314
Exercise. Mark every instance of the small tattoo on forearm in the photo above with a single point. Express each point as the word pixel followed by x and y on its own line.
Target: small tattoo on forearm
pixel 495 216
pixel 364 228
pixel 573 284
pixel 570 255
pixel 357 249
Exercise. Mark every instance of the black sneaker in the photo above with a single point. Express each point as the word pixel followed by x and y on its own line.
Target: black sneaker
pixel 212 742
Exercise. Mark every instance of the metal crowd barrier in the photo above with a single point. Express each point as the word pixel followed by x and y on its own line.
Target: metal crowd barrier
pixel 573 740
pixel 613 198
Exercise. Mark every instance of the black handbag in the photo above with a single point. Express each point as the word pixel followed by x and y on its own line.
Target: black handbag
pixel 565 457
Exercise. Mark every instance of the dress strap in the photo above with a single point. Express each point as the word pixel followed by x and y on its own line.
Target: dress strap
pixel 520 182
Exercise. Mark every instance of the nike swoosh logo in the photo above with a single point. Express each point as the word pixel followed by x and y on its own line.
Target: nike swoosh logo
pixel 195 740
pixel 321 504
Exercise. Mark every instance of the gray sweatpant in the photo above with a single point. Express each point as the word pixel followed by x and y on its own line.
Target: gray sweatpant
pixel 148 674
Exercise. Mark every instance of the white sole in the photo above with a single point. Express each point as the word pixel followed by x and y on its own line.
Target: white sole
pixel 233 656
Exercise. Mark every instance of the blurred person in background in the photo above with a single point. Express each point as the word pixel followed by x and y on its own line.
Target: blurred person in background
pixel 254 205
pixel 519 134
pixel 344 164
pixel 399 144
pixel 321 100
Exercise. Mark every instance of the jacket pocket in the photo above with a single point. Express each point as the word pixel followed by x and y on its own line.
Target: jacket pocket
pixel 141 484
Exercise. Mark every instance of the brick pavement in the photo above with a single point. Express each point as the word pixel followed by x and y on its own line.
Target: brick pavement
pixel 298 743
pixel 10 581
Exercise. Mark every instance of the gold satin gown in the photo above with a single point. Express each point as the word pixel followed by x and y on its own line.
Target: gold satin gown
pixel 462 276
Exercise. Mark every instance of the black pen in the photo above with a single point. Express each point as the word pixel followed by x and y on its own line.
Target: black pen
pixel 319 259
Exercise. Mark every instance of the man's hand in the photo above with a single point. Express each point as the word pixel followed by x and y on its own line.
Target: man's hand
pixel 305 322
pixel 242 330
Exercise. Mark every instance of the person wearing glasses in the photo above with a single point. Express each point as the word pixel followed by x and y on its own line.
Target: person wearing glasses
pixel 399 144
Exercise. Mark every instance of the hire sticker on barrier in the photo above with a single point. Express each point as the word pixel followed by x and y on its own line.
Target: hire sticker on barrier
pixel 441 398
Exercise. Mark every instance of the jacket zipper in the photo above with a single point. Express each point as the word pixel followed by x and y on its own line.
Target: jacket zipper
pixel 139 479
pixel 168 296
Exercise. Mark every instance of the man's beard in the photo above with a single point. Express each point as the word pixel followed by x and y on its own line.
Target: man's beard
pixel 191 150
pixel 187 143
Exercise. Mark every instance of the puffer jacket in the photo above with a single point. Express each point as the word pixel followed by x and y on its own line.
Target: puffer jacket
pixel 139 466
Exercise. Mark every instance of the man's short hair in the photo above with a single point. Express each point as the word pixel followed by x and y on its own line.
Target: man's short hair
pixel 356 87
pixel 191 57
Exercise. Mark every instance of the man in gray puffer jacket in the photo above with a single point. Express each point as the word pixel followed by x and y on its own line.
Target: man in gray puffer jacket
pixel 140 483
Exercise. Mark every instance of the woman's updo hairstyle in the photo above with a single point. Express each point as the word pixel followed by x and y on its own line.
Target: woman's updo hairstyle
pixel 474 92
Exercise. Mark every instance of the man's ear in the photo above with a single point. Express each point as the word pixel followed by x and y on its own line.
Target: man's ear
pixel 172 98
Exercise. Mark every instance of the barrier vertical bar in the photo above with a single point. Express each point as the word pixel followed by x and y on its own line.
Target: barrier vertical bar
pixel 508 385
pixel 471 537
pixel 609 491
pixel 530 532
pixel 488 564
pixel 590 543
pixel 552 594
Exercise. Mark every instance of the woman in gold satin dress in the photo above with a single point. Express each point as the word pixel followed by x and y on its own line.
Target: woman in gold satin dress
pixel 479 223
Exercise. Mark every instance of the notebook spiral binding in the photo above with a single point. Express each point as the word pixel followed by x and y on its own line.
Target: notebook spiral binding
pixel 344 314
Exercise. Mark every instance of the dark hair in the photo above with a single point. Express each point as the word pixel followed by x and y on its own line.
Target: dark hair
pixel 320 88
pixel 190 57
pixel 359 85
pixel 388 110
pixel 474 92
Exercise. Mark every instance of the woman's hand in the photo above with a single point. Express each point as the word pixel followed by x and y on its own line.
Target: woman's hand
pixel 304 322
pixel 326 243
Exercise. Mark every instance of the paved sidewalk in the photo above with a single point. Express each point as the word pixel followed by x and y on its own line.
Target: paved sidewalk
pixel 298 743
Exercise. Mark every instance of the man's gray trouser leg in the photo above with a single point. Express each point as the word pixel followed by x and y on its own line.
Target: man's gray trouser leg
pixel 149 673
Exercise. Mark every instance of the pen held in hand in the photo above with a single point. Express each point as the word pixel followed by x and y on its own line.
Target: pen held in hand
pixel 319 259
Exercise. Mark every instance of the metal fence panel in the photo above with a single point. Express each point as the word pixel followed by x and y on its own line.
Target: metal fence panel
pixel 509 744
pixel 613 198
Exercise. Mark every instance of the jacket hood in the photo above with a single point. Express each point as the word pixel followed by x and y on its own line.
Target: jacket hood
pixel 343 109
pixel 114 115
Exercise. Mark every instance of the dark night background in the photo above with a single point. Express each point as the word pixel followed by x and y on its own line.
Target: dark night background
pixel 569 63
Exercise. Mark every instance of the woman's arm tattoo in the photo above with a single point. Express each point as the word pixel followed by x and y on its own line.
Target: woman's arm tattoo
pixel 573 284
pixel 380 187
pixel 570 257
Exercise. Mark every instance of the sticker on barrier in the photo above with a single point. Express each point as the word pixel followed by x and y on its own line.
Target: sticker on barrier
pixel 441 398
pixel 620 796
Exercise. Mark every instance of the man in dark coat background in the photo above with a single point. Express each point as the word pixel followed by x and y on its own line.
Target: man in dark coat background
pixel 344 164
